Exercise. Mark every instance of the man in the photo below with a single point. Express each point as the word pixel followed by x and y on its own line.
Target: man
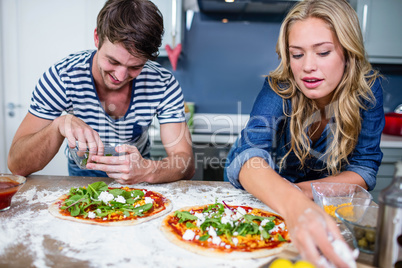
pixel 109 95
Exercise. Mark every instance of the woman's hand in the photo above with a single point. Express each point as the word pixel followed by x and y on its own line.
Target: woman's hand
pixel 315 234
pixel 311 229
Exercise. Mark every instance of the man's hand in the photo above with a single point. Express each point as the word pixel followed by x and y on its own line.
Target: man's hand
pixel 128 168
pixel 76 131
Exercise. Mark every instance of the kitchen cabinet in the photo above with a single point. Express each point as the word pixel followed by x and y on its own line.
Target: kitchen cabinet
pixel 380 22
pixel 172 19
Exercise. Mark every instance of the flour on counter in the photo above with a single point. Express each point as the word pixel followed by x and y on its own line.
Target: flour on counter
pixel 55 242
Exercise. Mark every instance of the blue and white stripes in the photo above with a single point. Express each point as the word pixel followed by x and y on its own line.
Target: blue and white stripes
pixel 68 86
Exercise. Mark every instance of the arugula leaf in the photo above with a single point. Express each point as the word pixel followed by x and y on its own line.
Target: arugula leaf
pixel 136 193
pixel 116 192
pixel 142 208
pixel 269 226
pixel 217 207
pixel 265 234
pixel 204 237
pixel 75 210
pixel 280 238
pixel 130 201
pixel 185 216
pixel 250 217
pixel 96 188
pixel 190 225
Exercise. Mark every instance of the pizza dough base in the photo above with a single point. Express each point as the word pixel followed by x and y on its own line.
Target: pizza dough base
pixel 211 252
pixel 54 209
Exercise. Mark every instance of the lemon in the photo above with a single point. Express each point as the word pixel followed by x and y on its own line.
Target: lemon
pixel 303 264
pixel 281 263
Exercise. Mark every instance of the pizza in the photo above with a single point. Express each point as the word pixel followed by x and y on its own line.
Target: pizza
pixel 103 205
pixel 226 231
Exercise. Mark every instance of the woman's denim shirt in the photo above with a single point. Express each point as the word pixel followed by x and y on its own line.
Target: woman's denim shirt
pixel 267 135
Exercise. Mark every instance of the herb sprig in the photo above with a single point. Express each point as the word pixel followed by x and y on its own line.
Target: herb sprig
pixel 83 200
pixel 246 224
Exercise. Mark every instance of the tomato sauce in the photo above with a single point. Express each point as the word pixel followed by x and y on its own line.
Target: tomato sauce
pixel 7 190
pixel 245 246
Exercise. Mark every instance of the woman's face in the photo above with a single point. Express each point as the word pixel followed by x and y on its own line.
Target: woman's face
pixel 316 59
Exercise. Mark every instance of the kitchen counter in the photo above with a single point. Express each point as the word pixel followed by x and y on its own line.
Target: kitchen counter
pixel 31 237
pixel 390 141
pixel 223 129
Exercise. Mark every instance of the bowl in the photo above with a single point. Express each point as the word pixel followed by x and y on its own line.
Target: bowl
pixel 331 195
pixel 9 185
pixel 80 156
pixel 393 124
pixel 361 222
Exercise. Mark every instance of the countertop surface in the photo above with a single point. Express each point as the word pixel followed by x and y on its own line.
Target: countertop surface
pixel 390 141
pixel 31 237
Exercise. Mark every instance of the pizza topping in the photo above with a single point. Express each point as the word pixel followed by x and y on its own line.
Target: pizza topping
pixel 91 215
pixel 121 199
pixel 230 227
pixel 188 235
pixel 99 202
pixel 105 197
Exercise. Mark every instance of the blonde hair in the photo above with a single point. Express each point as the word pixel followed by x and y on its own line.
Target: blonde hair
pixel 349 96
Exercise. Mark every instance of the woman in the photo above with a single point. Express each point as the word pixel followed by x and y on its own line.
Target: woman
pixel 319 116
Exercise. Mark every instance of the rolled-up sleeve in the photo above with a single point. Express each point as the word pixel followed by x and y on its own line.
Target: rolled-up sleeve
pixel 233 169
pixel 257 139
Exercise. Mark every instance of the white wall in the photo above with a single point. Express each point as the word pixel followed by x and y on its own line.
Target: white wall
pixel 3 152
pixel 34 35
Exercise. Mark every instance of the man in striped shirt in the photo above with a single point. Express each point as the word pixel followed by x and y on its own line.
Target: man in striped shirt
pixel 109 95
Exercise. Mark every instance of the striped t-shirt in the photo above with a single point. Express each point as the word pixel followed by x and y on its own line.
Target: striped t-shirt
pixel 68 86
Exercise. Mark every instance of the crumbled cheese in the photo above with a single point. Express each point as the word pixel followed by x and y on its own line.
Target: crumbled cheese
pixel 241 211
pixel 235 241
pixel 105 197
pixel 264 222
pixel 227 246
pixel 215 238
pixel 91 215
pixel 120 199
pixel 226 219
pixel 228 212
pixel 148 200
pixel 235 233
pixel 188 235
pixel 201 218
pixel 277 228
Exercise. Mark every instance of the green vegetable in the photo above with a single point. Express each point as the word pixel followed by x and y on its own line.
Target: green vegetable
pixel 185 216
pixel 247 224
pixel 81 199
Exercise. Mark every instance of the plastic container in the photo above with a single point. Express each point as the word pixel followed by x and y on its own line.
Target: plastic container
pixel 361 222
pixel 80 157
pixel 330 196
